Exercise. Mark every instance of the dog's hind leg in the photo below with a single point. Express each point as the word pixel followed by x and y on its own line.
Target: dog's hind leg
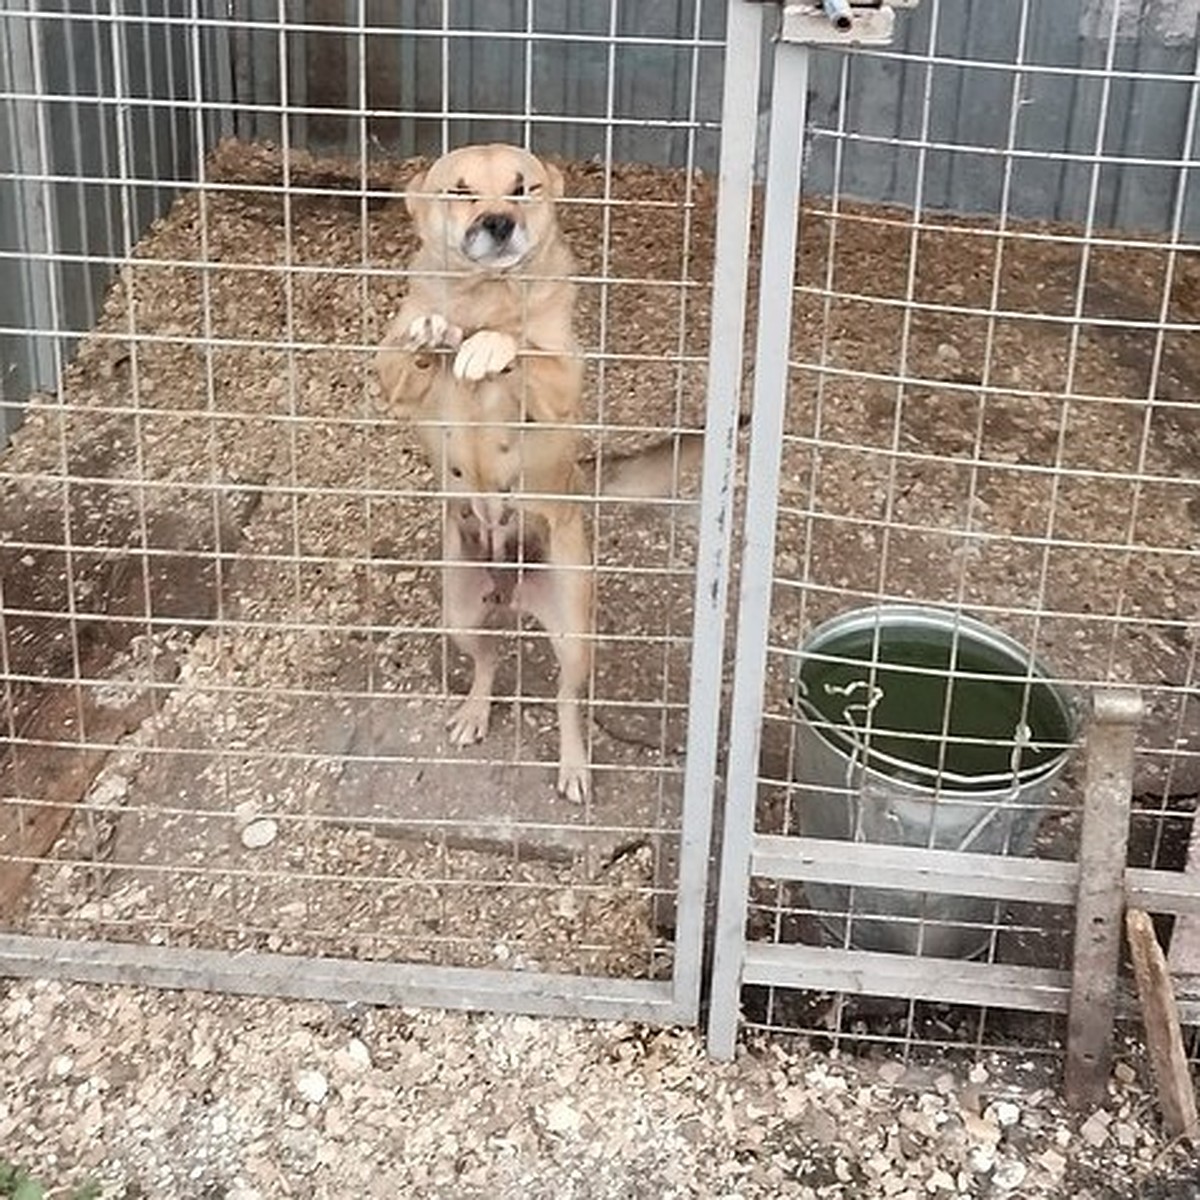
pixel 560 599
pixel 464 605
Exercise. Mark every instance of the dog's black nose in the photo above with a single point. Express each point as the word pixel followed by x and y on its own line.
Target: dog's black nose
pixel 499 225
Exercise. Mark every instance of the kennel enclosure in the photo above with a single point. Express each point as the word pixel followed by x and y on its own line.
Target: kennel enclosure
pixel 970 316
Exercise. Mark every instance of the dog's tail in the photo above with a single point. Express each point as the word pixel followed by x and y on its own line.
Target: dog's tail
pixel 652 472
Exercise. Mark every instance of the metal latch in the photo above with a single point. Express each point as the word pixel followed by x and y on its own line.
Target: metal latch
pixel 841 22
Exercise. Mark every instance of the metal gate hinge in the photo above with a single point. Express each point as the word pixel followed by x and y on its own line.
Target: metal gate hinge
pixel 841 22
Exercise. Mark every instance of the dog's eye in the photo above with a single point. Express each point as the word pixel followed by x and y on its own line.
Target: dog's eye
pixel 456 472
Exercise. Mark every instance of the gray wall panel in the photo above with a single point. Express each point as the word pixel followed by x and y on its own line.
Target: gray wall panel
pixel 970 104
pixel 417 79
pixel 91 175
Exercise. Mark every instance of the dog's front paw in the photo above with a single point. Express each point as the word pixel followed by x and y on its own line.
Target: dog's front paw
pixel 485 353
pixel 574 781
pixel 433 332
pixel 470 723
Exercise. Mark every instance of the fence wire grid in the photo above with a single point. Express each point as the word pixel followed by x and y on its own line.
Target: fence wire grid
pixel 226 666
pixel 227 670
pixel 984 414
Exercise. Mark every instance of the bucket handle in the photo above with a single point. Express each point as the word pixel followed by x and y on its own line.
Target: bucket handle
pixel 848 711
pixel 1022 741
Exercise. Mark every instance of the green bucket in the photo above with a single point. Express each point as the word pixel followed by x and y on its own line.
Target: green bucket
pixel 922 727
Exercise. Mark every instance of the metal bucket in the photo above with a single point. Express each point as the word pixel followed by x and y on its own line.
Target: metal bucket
pixel 922 727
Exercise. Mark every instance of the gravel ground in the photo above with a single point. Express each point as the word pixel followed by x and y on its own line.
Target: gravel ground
pixel 194 1097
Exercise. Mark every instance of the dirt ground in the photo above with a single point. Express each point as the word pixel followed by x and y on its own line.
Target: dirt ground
pixel 225 527
pixel 149 1094
pixel 285 779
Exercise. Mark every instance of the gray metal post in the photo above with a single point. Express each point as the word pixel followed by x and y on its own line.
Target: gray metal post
pixel 739 111
pixel 782 203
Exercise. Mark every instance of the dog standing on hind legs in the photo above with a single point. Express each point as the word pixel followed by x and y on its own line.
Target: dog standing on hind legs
pixel 482 358
pixel 514 541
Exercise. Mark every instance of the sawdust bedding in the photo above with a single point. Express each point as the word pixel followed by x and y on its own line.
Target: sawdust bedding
pixel 249 392
pixel 250 396
pixel 262 1099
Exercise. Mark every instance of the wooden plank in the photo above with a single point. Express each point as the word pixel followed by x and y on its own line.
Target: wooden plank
pixel 340 980
pixel 915 868
pixel 1187 998
pixel 1161 1019
pixel 40 784
pixel 1185 937
pixel 1165 892
pixel 144 577
pixel 1104 840
pixel 948 980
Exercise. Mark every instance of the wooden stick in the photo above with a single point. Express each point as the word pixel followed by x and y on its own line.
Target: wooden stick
pixel 1163 1035
pixel 58 775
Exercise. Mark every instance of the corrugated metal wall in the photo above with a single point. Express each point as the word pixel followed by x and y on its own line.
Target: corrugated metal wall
pixel 469 59
pixel 91 149
pixel 1073 105
pixel 462 72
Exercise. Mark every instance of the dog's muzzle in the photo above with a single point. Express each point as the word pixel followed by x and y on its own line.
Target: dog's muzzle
pixel 495 239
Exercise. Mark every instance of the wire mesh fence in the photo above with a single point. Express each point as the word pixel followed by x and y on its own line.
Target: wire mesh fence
pixel 985 415
pixel 227 667
pixel 226 660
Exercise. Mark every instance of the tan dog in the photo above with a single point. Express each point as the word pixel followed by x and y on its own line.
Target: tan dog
pixel 514 540
pixel 490 283
pixel 483 345
pixel 482 358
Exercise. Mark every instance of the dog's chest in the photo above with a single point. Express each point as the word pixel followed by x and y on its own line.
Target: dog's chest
pixel 490 303
pixel 506 549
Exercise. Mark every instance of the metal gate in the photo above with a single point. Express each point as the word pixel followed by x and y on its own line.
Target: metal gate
pixel 225 763
pixel 223 663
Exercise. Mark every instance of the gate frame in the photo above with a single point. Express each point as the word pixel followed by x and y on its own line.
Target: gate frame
pixel 747 854
pixel 667 1001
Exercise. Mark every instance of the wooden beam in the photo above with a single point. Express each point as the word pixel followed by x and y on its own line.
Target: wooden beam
pixel 1185 937
pixel 1164 1039
pixel 915 868
pixel 946 980
pixel 43 781
pixel 1104 841
pixel 1159 891
pixel 57 730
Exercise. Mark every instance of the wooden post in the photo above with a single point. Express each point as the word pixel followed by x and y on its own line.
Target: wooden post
pixel 1107 797
pixel 1183 957
pixel 1164 1039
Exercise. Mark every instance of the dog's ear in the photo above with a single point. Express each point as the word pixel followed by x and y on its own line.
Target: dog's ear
pixel 554 178
pixel 413 198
